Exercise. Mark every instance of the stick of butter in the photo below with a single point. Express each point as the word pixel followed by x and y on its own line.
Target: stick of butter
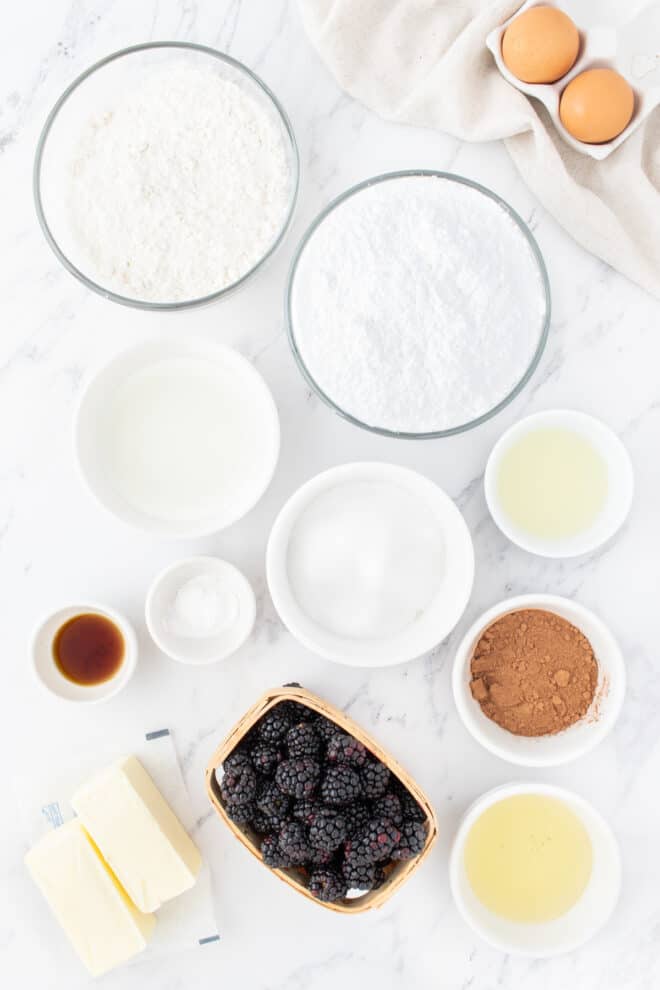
pixel 103 926
pixel 138 834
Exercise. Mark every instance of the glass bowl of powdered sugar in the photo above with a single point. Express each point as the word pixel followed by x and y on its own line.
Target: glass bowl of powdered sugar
pixel 418 304
pixel 165 175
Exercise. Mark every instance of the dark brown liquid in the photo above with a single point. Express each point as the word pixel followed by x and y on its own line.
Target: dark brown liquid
pixel 88 649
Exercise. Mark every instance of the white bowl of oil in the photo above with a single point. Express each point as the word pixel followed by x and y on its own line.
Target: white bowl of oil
pixel 534 869
pixel 576 740
pixel 559 483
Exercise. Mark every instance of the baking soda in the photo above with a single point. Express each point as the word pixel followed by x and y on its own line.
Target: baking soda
pixel 417 304
pixel 202 607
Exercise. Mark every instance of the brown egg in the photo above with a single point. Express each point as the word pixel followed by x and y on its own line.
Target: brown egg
pixel 596 105
pixel 541 45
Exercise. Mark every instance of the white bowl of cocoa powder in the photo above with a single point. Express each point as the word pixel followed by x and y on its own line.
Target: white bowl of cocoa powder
pixel 539 680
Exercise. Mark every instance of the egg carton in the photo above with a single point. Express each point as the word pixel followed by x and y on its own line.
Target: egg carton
pixel 632 47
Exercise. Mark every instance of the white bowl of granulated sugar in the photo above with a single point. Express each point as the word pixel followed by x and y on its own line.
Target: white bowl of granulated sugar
pixel 165 175
pixel 370 564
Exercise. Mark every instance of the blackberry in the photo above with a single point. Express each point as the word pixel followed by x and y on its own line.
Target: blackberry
pixel 325 728
pixel 236 761
pixel 272 855
pixel 375 779
pixel 263 824
pixel 239 786
pixel 379 839
pixel 293 842
pixel 357 817
pixel 411 843
pixel 274 725
pixel 319 857
pixel 341 785
pixel 242 814
pixel 388 806
pixel 327 885
pixel 412 812
pixel 328 830
pixel 273 804
pixel 358 873
pixel 303 741
pixel 265 758
pixel 306 810
pixel 297 712
pixel 298 778
pixel 346 749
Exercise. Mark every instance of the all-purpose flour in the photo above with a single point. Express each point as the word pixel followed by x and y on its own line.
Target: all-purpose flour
pixel 417 304
pixel 180 188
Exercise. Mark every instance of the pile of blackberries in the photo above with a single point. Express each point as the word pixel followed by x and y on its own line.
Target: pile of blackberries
pixel 320 803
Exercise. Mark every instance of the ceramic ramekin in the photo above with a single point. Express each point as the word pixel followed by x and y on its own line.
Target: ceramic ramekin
pixel 437 619
pixel 90 430
pixel 563 934
pixel 578 739
pixel 51 678
pixel 619 478
pixel 208 649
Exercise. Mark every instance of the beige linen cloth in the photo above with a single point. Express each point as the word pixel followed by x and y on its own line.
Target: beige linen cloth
pixel 424 62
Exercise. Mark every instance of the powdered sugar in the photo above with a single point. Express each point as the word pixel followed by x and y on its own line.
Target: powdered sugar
pixel 417 305
pixel 180 187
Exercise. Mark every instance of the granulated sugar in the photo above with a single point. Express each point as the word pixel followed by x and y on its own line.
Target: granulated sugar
pixel 180 188
pixel 417 304
pixel 365 559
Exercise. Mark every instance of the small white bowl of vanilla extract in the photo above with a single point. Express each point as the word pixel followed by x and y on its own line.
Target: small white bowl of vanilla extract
pixel 559 483
pixel 84 653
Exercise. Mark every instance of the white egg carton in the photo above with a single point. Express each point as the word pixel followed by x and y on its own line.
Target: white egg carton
pixel 631 46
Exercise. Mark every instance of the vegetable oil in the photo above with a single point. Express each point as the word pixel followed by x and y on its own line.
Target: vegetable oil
pixel 528 858
pixel 552 483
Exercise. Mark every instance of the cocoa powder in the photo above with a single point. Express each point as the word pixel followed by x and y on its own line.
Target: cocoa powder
pixel 533 673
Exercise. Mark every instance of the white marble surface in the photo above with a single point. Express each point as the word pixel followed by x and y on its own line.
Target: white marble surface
pixel 56 544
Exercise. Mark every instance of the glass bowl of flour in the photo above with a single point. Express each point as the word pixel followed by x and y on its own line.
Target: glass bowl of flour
pixel 165 175
pixel 418 304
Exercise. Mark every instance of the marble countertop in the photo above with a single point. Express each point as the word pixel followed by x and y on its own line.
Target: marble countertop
pixel 57 544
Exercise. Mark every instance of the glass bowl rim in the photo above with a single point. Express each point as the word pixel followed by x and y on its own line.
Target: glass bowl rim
pixel 52 117
pixel 311 230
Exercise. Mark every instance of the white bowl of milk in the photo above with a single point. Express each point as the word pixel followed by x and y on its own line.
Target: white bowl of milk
pixel 178 437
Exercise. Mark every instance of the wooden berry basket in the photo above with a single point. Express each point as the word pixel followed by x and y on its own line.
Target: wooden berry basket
pixel 399 872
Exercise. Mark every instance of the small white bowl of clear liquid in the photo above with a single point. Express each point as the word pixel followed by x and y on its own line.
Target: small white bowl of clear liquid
pixel 179 437
pixel 559 483
pixel 554 864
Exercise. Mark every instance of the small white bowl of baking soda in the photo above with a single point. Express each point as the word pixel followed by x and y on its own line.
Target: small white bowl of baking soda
pixel 200 610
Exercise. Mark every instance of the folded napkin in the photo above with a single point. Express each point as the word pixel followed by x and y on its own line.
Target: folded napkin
pixel 425 62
